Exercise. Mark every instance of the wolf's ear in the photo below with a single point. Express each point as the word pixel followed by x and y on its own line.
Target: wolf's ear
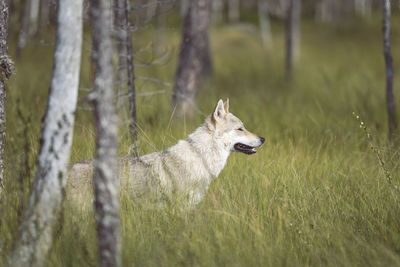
pixel 219 111
pixel 226 105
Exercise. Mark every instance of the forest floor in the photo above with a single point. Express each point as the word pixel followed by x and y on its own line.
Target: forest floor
pixel 314 194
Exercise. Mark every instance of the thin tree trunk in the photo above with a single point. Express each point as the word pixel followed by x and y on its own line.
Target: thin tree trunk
pixel 292 35
pixel 194 57
pixel 392 121
pixel 234 10
pixel 105 183
pixel 56 137
pixel 24 31
pixel 131 81
pixel 6 69
pixel 265 26
pixel 120 24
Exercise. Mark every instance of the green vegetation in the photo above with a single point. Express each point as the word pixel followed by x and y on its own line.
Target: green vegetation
pixel 314 194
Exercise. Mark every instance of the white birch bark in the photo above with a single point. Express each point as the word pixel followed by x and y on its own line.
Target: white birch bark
pixel 6 70
pixel 56 136
pixel 121 29
pixel 131 82
pixel 105 182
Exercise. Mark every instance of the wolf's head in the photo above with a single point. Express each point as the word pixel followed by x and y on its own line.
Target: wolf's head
pixel 230 130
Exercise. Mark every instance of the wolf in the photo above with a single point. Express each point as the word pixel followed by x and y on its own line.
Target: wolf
pixel 187 168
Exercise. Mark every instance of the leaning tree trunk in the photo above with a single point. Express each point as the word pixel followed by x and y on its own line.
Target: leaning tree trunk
pixel 390 103
pixel 292 35
pixel 131 81
pixel 121 29
pixel 6 70
pixel 56 136
pixel 194 57
pixel 105 182
pixel 126 67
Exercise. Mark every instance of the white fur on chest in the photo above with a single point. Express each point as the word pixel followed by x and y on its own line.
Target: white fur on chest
pixel 191 164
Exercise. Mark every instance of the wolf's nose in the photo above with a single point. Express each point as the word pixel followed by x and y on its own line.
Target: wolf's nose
pixel 262 139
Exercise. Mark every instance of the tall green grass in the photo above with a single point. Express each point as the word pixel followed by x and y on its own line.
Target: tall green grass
pixel 314 194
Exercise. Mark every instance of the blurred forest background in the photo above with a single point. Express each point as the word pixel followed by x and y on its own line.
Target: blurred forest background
pixel 309 76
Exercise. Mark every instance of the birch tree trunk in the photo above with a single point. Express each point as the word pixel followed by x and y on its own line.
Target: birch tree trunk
pixel 292 35
pixel 131 81
pixel 390 103
pixel 265 26
pixel 56 136
pixel 194 57
pixel 120 24
pixel 105 183
pixel 126 66
pixel 6 69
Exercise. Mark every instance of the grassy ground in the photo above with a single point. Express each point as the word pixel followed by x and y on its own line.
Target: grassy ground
pixel 314 194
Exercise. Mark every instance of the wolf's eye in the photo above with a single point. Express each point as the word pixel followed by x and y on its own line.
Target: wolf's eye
pixel 240 129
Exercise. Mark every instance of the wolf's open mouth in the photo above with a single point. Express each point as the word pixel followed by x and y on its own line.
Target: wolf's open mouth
pixel 239 147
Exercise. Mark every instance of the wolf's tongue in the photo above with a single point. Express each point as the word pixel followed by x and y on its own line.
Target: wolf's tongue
pixel 239 147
